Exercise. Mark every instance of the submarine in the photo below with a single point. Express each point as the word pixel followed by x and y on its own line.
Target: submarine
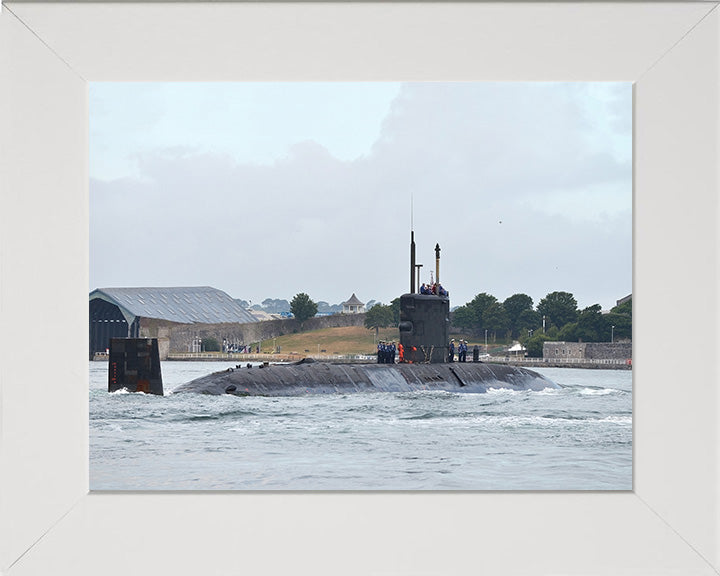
pixel 426 365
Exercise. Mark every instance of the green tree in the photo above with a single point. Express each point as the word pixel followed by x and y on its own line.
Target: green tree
pixel 528 320
pixel 395 307
pixel 483 312
pixel 624 308
pixel 622 330
pixel 559 308
pixel 495 319
pixel 302 307
pixel 590 324
pixel 379 316
pixel 515 306
pixel 466 317
pixel 568 333
pixel 620 317
pixel 534 345
pixel 481 302
pixel 479 306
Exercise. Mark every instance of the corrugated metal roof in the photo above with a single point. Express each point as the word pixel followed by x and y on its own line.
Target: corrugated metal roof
pixel 189 305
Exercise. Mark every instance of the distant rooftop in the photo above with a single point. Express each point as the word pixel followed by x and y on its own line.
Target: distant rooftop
pixel 353 301
pixel 187 305
pixel 623 300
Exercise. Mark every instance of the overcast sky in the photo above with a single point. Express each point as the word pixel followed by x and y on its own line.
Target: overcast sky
pixel 265 190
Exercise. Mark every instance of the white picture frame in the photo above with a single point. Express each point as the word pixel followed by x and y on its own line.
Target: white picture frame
pixel 50 524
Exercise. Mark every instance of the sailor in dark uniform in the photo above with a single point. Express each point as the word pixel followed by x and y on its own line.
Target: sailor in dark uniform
pixel 463 351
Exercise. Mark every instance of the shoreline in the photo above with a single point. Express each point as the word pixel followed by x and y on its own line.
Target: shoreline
pixel 590 364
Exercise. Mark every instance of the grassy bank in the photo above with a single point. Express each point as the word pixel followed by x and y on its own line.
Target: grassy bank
pixel 346 340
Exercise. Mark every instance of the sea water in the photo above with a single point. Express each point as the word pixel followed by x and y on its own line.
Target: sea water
pixel 578 437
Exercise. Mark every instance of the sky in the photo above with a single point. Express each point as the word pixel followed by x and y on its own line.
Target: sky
pixel 265 190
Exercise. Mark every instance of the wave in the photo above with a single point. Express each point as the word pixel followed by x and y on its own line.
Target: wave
pixel 617 420
pixel 441 394
pixel 564 417
pixel 424 416
pixel 231 414
pixel 597 391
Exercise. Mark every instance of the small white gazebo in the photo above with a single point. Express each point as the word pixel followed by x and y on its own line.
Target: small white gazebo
pixel 516 349
pixel 353 305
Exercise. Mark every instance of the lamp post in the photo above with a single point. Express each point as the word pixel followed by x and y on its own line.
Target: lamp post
pixel 486 349
pixel 612 334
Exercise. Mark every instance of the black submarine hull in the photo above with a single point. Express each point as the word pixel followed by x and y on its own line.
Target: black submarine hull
pixel 330 378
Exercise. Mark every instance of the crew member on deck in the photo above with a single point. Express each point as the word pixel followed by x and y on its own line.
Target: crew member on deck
pixel 463 351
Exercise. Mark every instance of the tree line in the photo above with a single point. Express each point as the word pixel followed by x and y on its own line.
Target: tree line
pixel 282 306
pixel 556 317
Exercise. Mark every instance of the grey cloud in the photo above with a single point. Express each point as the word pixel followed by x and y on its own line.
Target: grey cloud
pixel 471 155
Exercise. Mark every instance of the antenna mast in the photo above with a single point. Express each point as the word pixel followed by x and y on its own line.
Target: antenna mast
pixel 412 249
pixel 411 211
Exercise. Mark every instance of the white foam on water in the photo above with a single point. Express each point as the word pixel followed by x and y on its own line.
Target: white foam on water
pixel 597 391
pixel 505 392
pixel 549 392
pixel 620 420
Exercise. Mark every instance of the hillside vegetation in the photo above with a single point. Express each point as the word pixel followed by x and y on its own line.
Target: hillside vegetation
pixel 345 340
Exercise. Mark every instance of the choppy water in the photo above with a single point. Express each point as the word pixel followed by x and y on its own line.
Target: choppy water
pixel 575 438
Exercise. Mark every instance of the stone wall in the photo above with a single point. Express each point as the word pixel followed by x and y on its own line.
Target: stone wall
pixel 160 329
pixel 589 350
pixel 180 336
pixel 608 351
pixel 554 350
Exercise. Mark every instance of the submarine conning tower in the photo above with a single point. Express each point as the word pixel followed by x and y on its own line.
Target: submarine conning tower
pixel 424 318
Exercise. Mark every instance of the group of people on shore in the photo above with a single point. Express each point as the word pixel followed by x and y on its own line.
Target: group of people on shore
pixel 435 289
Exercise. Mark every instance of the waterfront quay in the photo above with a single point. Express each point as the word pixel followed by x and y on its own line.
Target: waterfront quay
pixel 595 363
pixel 592 363
pixel 244 358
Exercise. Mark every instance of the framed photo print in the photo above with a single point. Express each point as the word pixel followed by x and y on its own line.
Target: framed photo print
pixel 661 519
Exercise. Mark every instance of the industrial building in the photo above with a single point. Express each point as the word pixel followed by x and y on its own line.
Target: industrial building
pixel 124 312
